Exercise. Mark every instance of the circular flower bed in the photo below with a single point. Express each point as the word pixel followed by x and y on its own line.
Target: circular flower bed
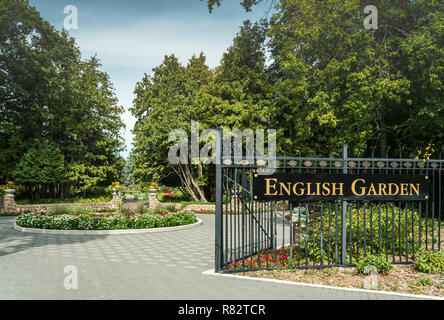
pixel 105 222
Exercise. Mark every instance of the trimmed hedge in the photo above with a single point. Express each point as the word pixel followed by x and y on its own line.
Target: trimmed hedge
pixel 112 222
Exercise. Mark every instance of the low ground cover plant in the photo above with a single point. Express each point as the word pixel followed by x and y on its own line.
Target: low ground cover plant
pixel 429 262
pixel 379 262
pixel 107 221
pixel 402 279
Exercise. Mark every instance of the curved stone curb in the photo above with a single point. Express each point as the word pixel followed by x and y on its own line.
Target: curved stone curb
pixel 211 272
pixel 109 232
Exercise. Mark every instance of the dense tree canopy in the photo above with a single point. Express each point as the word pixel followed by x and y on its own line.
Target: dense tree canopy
pixel 234 95
pixel 328 80
pixel 164 103
pixel 49 95
pixel 42 171
pixel 336 81
pixel 312 71
pixel 339 82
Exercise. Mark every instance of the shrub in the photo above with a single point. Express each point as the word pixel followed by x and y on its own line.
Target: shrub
pixel 61 209
pixel 171 207
pixel 106 198
pixel 378 230
pixel 378 235
pixel 141 209
pixel 428 261
pixel 379 262
pixel 104 222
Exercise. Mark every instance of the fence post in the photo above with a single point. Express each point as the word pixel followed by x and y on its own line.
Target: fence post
pixel 344 209
pixel 218 240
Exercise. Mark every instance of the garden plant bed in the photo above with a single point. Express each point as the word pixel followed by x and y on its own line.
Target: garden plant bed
pixel 104 222
pixel 401 279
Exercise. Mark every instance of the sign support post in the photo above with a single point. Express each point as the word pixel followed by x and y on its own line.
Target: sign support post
pixel 344 209
pixel 219 228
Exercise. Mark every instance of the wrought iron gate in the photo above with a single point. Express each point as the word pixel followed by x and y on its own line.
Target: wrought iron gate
pixel 253 234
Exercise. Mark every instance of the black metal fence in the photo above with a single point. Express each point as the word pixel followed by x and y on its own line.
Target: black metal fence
pixel 253 234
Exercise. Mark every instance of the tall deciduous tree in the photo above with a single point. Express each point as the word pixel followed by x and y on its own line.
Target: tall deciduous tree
pixel 339 82
pixel 164 102
pixel 48 94
pixel 235 95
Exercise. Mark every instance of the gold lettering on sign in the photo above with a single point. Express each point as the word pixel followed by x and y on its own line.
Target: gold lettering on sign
pixel 282 186
pixel 391 193
pixel 326 189
pixel 309 190
pixel 340 189
pixel 268 186
pixel 404 190
pixel 382 188
pixel 358 187
pixel 353 187
pixel 372 190
pixel 301 193
pixel 412 188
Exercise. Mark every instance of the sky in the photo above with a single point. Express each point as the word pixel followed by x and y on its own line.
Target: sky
pixel 131 37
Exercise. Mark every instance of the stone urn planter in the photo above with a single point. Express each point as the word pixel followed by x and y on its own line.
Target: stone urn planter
pixel 9 191
pixel 130 197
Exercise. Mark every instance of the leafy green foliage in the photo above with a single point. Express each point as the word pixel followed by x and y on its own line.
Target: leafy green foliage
pixel 340 82
pixel 42 165
pixel 429 261
pixel 50 96
pixel 247 4
pixel 106 198
pixel 379 262
pixel 380 236
pixel 235 95
pixel 162 104
pixel 374 231
pixel 109 222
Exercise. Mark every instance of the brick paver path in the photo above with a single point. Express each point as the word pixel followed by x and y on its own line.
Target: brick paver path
pixel 138 266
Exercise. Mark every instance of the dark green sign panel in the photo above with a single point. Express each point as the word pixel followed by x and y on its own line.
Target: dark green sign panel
pixel 306 187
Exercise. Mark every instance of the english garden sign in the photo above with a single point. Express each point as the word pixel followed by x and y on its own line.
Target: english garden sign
pixel 307 186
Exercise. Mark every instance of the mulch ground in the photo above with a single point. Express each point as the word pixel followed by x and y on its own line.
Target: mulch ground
pixel 401 279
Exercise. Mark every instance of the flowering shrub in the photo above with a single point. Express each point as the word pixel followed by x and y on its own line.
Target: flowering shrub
pixel 10 185
pixel 116 186
pixel 154 185
pixel 374 231
pixel 167 193
pixel 266 258
pixel 104 222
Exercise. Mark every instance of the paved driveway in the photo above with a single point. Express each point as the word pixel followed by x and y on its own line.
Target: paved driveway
pixel 139 266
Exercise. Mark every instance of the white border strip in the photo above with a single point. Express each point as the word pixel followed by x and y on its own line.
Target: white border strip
pixel 311 285
pixel 108 232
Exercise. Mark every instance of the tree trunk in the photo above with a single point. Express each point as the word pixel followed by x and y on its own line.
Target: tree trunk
pixel 195 185
pixel 185 181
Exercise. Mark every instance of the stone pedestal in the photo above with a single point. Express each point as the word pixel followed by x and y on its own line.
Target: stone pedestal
pixel 115 201
pixel 154 202
pixel 9 205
